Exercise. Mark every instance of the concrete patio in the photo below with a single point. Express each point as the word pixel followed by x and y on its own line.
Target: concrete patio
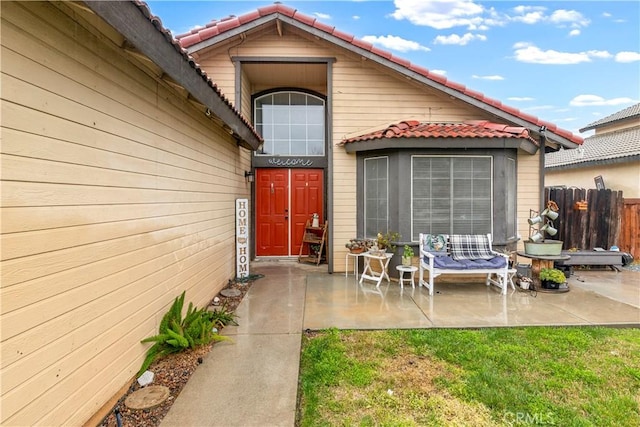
pixel 595 298
pixel 253 379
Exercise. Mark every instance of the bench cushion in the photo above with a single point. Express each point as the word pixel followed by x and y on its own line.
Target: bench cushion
pixel 470 246
pixel 468 264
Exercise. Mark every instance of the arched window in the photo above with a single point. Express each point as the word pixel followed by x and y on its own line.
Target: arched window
pixel 291 123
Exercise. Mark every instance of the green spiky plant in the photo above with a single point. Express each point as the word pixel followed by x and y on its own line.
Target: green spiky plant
pixel 222 316
pixel 178 334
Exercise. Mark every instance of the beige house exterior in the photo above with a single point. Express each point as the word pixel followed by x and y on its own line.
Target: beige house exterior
pixel 365 89
pixel 612 153
pixel 123 156
pixel 118 193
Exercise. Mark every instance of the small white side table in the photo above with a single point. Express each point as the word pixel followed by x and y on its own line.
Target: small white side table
pixel 510 275
pixel 355 263
pixel 402 269
pixel 368 272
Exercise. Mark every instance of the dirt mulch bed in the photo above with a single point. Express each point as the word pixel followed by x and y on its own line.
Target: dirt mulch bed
pixel 172 371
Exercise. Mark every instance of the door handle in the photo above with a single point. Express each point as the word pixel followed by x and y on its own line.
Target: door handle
pixel 272 191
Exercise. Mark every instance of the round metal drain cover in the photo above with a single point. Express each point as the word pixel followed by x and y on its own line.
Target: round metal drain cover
pixel 230 292
pixel 147 397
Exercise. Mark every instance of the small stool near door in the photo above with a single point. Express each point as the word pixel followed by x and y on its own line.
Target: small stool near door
pixel 402 269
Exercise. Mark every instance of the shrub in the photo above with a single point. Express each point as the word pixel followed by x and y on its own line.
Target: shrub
pixel 178 334
pixel 552 275
pixel 222 317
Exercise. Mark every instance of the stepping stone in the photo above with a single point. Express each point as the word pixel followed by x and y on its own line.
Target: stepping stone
pixel 147 397
pixel 230 292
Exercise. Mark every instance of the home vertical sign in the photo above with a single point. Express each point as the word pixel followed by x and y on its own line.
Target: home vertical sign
pixel 242 238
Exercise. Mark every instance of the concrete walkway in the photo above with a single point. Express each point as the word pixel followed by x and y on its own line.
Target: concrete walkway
pixel 252 380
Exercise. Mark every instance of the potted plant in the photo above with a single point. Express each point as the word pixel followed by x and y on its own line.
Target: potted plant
pixel 551 278
pixel 385 241
pixel 407 256
pixel 357 246
pixel 315 249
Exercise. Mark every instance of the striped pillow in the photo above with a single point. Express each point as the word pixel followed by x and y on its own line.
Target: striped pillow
pixel 470 246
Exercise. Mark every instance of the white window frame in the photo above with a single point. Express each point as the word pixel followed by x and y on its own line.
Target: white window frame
pixel 261 124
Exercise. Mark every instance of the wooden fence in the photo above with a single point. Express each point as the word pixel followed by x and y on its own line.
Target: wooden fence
pixel 630 230
pixel 606 220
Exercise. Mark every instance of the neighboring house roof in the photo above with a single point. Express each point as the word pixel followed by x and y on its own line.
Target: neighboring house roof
pixel 612 147
pixel 217 31
pixel 134 21
pixel 627 113
pixel 470 129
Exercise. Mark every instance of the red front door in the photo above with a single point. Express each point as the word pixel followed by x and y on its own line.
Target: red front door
pixel 285 200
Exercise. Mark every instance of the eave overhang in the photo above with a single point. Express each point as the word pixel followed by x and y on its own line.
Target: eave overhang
pixel 146 36
pixel 440 143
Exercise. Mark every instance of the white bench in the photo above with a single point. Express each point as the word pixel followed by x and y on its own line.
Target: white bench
pixel 461 254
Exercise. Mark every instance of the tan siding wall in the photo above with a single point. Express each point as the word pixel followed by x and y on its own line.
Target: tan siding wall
pixel 612 127
pixel 116 196
pixel 364 97
pixel 529 193
pixel 623 177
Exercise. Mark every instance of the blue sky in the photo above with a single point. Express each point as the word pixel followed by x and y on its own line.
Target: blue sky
pixel 567 62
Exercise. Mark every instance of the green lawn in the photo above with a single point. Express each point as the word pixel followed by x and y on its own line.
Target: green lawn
pixel 573 376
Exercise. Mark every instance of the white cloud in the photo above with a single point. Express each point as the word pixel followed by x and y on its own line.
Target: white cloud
pixel 526 52
pixel 528 14
pixel 493 77
pixel 574 33
pixel 595 100
pixel 520 98
pixel 395 43
pixel 599 54
pixel 440 72
pixel 445 14
pixel 572 17
pixel 627 56
pixel 322 15
pixel 459 40
pixel 439 14
pixel 355 17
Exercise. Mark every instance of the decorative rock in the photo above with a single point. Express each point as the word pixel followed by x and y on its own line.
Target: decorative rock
pixel 230 292
pixel 147 397
pixel 146 378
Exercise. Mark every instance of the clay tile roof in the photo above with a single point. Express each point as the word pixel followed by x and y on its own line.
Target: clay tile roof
pixel 469 129
pixel 192 38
